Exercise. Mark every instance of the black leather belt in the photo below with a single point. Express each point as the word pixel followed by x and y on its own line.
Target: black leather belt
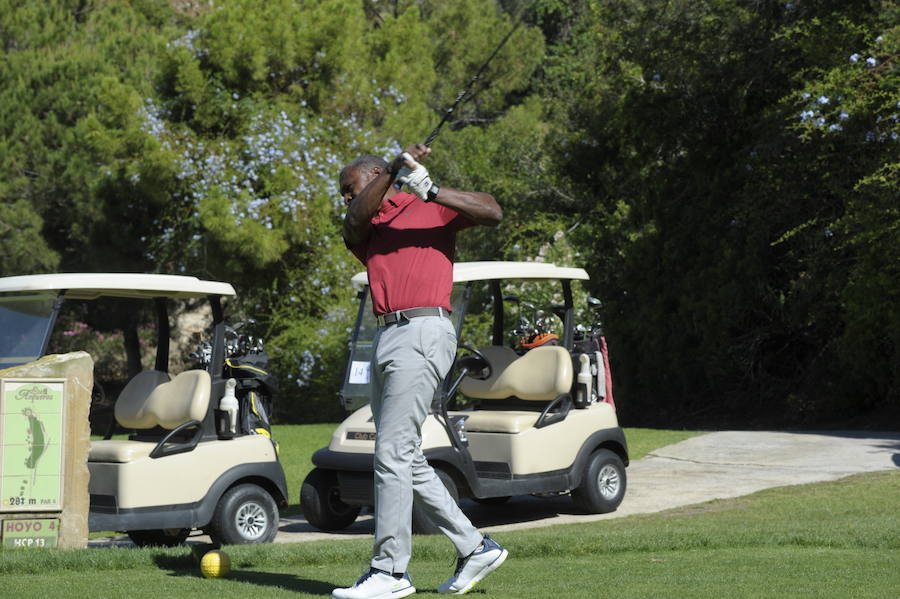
pixel 401 315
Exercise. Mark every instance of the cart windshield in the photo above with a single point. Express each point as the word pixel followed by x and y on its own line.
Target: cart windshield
pixel 25 322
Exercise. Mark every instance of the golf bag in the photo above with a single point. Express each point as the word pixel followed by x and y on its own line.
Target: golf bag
pixel 255 389
pixel 593 345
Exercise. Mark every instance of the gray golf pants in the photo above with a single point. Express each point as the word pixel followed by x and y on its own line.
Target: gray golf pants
pixel 411 358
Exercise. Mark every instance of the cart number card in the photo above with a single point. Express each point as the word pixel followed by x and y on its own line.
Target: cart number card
pixel 31 444
pixel 360 373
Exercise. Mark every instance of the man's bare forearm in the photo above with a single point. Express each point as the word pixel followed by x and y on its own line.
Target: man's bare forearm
pixel 479 207
pixel 357 226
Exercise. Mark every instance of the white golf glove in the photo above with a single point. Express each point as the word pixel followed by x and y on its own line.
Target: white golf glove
pixel 417 180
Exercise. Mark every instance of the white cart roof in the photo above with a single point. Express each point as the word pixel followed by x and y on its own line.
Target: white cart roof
pixel 485 271
pixel 93 285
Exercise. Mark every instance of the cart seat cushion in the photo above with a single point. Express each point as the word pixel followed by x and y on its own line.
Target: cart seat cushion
pixel 542 374
pixel 170 404
pixel 130 405
pixel 120 452
pixel 495 421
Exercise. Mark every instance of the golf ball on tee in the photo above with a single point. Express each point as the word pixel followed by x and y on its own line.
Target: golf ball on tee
pixel 215 564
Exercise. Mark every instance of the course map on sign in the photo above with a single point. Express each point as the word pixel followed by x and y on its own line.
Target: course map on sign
pixel 31 431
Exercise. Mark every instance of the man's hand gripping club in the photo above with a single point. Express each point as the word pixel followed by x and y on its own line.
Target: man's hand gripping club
pixel 416 178
pixel 479 207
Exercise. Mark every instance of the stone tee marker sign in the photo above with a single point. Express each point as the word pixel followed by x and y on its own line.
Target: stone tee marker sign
pixel 32 442
pixel 30 533
pixel 44 446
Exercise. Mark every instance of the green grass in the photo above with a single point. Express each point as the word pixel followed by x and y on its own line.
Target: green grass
pixel 297 443
pixel 642 441
pixel 838 539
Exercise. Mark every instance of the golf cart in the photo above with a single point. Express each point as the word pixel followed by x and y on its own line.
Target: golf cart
pixel 529 412
pixel 200 454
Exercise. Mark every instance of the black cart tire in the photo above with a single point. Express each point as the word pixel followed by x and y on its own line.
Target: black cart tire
pixel 603 484
pixel 320 500
pixel 421 525
pixel 246 514
pixel 166 537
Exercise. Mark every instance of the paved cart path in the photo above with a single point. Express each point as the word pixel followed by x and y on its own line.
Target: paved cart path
pixel 715 465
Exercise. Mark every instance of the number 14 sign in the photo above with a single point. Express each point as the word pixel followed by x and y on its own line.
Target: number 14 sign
pixel 360 373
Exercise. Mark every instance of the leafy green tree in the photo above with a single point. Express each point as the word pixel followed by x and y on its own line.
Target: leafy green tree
pixel 710 214
pixel 22 247
pixel 725 169
pixel 262 105
pixel 155 136
pixel 72 80
pixel 850 115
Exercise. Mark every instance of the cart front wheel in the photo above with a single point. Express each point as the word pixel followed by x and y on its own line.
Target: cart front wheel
pixel 246 514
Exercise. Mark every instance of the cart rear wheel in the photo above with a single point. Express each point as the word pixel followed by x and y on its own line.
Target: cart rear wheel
pixel 603 485
pixel 320 500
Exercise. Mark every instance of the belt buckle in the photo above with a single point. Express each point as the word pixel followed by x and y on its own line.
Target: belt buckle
pixel 402 318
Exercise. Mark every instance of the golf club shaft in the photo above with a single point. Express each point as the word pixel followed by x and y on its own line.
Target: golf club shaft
pixel 464 93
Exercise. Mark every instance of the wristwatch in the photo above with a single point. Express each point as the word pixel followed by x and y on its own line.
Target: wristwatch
pixel 432 193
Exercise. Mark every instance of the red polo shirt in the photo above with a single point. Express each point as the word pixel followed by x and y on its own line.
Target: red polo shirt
pixel 409 254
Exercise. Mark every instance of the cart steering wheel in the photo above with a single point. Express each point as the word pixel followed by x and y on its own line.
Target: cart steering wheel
pixel 473 363
pixel 470 362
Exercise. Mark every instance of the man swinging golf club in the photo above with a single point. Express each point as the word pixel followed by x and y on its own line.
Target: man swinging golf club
pixel 407 242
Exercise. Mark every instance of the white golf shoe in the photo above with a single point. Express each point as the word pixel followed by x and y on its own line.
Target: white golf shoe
pixel 376 584
pixel 474 567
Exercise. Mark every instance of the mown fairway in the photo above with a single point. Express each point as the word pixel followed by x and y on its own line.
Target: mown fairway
pixel 838 539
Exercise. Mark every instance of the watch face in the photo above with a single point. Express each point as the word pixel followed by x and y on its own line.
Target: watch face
pixel 432 193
